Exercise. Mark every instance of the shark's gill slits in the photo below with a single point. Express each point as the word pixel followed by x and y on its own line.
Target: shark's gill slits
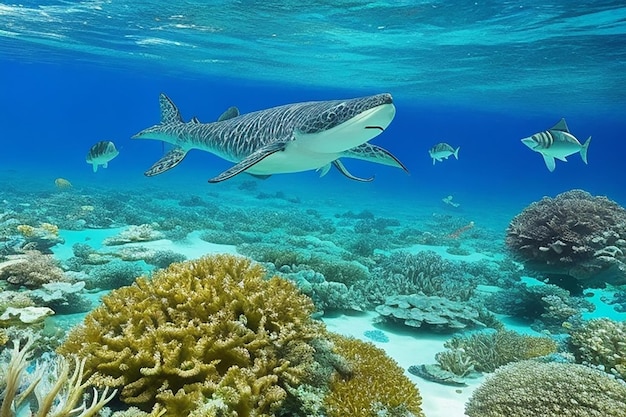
pixel 375 127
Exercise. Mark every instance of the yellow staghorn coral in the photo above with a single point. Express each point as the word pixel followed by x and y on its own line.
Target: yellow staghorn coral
pixel 376 386
pixel 211 329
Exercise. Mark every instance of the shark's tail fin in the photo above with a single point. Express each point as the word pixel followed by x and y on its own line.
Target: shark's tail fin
pixel 583 150
pixel 456 152
pixel 373 153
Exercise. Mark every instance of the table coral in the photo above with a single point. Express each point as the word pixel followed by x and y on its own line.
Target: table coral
pixel 577 239
pixel 436 313
pixel 211 328
pixel 531 389
pixel 376 385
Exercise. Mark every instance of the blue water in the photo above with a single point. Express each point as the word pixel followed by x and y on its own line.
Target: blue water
pixel 479 75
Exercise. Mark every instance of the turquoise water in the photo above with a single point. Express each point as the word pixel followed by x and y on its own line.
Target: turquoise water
pixel 477 75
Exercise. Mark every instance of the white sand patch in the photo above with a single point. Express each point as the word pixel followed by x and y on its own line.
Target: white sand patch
pixel 192 246
pixel 412 348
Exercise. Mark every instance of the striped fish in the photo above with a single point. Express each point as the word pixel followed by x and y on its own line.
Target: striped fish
pixel 442 151
pixel 101 153
pixel 556 142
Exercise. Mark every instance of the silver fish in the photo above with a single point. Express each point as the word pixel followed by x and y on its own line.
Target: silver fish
pixel 442 151
pixel 101 153
pixel 556 142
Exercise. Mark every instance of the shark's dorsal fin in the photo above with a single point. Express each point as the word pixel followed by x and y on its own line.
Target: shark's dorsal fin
pixel 229 114
pixel 254 158
pixel 194 120
pixel 561 126
pixel 169 111
pixel 341 168
pixel 167 162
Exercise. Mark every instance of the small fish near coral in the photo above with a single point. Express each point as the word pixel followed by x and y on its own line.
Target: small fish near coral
pixel 286 139
pixel 442 151
pixel 557 142
pixel 101 154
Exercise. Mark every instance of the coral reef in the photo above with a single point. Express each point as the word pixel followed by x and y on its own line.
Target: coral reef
pixel 50 390
pixel 32 270
pixel 375 386
pixel 113 274
pixel 211 328
pixel 487 351
pixel 601 343
pixel 530 389
pixel 436 313
pixel 132 234
pixel 403 273
pixel 40 238
pixel 546 306
pixel 577 239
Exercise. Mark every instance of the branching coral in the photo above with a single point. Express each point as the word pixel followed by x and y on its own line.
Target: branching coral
pixel 577 237
pixel 530 389
pixel 601 342
pixel 212 328
pixel 375 386
pixel 487 351
pixel 50 390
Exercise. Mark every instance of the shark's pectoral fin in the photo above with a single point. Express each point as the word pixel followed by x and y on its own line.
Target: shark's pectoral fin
pixel 252 159
pixel 376 154
pixel 167 162
pixel 550 162
pixel 341 168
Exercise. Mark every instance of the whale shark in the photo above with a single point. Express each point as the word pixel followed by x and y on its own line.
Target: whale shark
pixel 291 138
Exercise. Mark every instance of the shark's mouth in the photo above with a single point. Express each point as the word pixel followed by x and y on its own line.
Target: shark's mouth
pixel 375 127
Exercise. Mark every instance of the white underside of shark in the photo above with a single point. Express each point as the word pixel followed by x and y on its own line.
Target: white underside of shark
pixel 286 139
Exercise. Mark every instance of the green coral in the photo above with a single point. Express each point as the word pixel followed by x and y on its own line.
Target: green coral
pixel 375 386
pixel 487 351
pixel 211 329
pixel 601 342
pixel 531 389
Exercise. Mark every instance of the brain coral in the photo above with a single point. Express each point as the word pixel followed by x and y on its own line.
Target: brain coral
pixel 576 238
pixel 208 329
pixel 376 386
pixel 532 389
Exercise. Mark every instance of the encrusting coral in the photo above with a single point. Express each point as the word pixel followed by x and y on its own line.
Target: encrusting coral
pixel 531 389
pixel 211 329
pixel 375 386
pixel 577 239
